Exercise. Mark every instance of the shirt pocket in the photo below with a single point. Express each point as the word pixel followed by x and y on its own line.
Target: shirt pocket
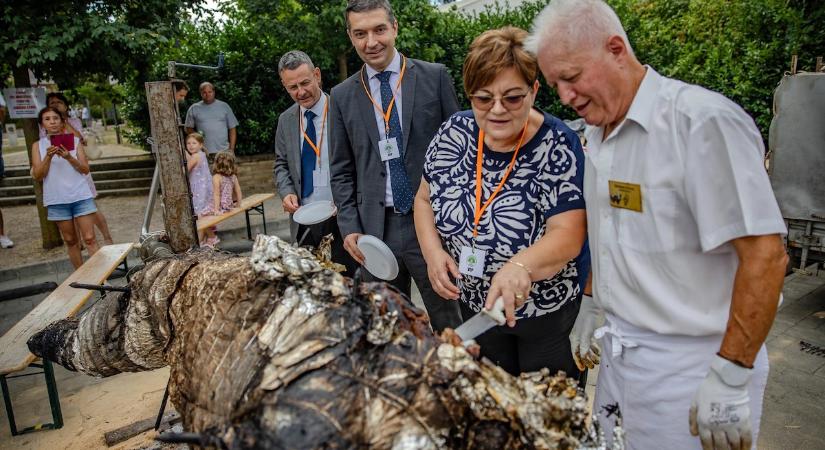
pixel 654 229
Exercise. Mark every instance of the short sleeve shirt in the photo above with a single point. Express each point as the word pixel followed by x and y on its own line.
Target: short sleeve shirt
pixel 214 121
pixel 546 180
pixel 698 160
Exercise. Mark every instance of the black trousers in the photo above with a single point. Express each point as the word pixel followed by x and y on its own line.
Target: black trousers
pixel 534 343
pixel 399 235
pixel 318 231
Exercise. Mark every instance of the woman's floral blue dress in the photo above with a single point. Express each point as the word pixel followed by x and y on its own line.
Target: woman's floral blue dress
pixel 546 180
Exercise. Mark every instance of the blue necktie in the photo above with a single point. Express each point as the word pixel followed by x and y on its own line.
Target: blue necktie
pixel 402 194
pixel 308 156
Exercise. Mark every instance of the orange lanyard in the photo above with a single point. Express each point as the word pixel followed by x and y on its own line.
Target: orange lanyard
pixel 386 114
pixel 479 211
pixel 316 148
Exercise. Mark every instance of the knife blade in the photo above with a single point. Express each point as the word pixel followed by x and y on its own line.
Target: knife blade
pixel 481 322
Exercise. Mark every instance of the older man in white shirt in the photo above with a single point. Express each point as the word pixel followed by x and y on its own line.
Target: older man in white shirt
pixel 684 230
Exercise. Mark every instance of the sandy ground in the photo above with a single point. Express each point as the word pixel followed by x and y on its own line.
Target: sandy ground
pixel 91 407
pixel 123 214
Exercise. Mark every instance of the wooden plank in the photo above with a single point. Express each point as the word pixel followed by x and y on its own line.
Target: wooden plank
pixel 65 301
pixel 246 204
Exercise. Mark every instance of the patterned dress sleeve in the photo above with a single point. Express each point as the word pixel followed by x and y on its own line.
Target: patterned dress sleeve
pixel 562 174
pixel 431 163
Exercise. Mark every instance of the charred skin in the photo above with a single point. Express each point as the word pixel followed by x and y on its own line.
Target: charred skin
pixel 278 351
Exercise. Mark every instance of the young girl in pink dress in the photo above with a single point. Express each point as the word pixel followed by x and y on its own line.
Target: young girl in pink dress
pixel 200 183
pixel 226 190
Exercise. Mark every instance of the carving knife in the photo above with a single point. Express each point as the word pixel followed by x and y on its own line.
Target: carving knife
pixel 482 322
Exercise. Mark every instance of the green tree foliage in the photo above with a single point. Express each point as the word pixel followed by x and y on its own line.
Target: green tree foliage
pixel 737 47
pixel 67 40
pixel 71 40
pixel 459 30
pixel 740 48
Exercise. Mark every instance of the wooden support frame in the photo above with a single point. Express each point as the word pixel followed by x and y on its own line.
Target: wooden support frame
pixel 178 213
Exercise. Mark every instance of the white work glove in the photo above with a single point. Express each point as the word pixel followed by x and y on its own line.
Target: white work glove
pixel 582 343
pixel 720 412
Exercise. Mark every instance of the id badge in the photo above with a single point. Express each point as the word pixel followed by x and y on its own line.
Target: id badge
pixel 472 261
pixel 320 177
pixel 625 195
pixel 388 149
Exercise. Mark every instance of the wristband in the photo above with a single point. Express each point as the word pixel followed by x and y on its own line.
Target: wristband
pixel 529 272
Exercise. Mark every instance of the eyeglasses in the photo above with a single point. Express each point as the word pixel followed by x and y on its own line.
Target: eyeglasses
pixel 510 102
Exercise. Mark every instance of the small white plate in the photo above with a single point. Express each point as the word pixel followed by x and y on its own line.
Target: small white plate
pixel 313 213
pixel 378 258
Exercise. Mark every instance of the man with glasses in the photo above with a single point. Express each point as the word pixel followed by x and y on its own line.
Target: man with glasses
pixel 383 118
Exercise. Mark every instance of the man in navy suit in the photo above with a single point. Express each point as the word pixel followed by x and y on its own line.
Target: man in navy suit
pixel 383 118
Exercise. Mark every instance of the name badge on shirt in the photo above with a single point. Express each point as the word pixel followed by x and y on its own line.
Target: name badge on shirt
pixel 625 195
pixel 320 177
pixel 472 261
pixel 388 149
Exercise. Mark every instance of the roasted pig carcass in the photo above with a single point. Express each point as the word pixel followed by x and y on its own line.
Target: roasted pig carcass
pixel 278 351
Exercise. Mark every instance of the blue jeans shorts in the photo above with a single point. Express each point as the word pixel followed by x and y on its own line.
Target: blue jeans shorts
pixel 68 211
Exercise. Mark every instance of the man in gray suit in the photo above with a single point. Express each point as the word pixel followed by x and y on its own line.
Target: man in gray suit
pixel 383 119
pixel 301 170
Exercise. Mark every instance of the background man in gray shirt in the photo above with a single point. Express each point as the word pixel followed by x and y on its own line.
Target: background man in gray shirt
pixel 214 119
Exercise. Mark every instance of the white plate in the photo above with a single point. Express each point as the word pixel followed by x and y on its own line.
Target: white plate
pixel 378 258
pixel 313 213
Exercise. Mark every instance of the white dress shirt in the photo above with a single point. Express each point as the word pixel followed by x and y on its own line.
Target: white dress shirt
pixel 375 91
pixel 698 158
pixel 319 193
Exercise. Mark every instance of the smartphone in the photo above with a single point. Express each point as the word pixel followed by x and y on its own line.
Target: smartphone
pixel 63 140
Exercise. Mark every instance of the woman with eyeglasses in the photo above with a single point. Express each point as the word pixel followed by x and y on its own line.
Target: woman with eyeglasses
pixel 500 211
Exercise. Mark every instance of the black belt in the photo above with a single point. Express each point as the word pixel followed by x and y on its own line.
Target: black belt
pixel 390 210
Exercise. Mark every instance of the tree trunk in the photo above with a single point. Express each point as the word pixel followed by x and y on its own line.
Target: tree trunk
pixel 48 230
pixel 278 351
pixel 342 66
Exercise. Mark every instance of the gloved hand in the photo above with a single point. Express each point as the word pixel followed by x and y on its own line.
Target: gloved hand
pixel 720 412
pixel 582 343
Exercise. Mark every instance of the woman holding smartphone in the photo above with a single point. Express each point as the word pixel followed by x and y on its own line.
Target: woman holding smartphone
pixel 59 161
pixel 73 126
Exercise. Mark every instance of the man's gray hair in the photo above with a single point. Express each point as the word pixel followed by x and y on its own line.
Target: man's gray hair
pixel 576 23
pixel 294 59
pixel 204 84
pixel 358 6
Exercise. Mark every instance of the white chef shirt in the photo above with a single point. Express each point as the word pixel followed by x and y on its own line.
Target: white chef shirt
pixel 319 193
pixel 698 158
pixel 375 91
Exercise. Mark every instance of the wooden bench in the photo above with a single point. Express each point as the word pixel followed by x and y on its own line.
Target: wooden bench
pixel 63 302
pixel 253 202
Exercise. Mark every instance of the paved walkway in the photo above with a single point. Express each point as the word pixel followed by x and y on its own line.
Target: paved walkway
pixel 794 416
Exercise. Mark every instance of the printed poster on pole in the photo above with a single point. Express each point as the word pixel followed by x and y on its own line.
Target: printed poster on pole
pixel 24 103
